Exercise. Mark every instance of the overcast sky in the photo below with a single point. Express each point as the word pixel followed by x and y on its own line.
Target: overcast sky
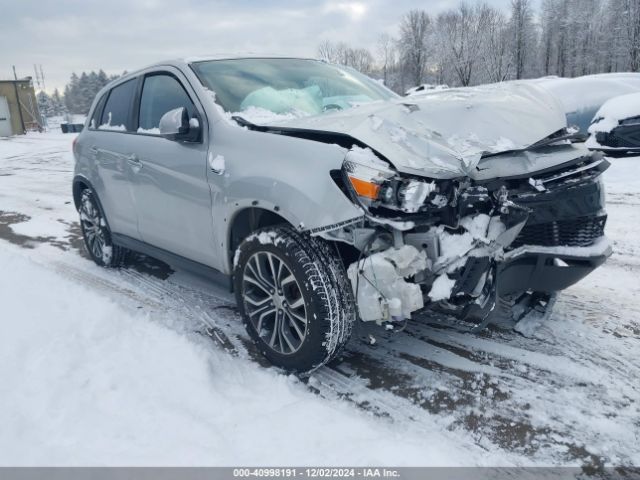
pixel 116 35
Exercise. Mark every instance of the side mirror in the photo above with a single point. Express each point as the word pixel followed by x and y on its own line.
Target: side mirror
pixel 175 125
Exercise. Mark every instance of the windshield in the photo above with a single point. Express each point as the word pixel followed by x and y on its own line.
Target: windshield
pixel 286 87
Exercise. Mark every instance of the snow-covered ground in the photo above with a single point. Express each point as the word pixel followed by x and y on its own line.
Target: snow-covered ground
pixel 147 366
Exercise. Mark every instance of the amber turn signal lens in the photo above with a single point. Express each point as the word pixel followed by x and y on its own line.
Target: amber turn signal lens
pixel 365 189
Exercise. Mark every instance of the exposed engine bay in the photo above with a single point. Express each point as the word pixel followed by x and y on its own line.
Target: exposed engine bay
pixel 490 251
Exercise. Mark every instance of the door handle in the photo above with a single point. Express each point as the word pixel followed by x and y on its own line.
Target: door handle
pixel 94 150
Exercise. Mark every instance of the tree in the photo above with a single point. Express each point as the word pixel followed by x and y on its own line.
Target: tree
pixel 57 101
pixel 415 29
pixel 468 45
pixel 523 36
pixel 342 54
pixel 387 55
pixel 496 60
pixel 629 33
pixel 45 105
pixel 80 91
pixel 461 39
pixel 71 93
pixel 548 21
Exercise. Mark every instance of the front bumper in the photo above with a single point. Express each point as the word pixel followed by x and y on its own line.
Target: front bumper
pixel 548 269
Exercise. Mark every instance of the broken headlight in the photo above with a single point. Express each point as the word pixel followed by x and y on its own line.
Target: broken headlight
pixel 376 184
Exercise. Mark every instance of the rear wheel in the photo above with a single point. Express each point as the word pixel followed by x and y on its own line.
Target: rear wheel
pixel 96 233
pixel 294 297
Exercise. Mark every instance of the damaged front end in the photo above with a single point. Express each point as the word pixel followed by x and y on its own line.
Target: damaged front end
pixel 487 250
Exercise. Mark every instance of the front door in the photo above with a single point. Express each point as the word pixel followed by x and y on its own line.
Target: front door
pixel 5 118
pixel 170 186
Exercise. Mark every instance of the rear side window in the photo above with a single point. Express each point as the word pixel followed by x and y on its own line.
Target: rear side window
pixel 161 94
pixel 116 113
pixel 97 113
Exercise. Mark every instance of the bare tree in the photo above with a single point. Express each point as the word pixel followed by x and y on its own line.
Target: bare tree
pixel 495 56
pixel 341 53
pixel 523 35
pixel 327 51
pixel 633 33
pixel 460 34
pixel 548 36
pixel 361 59
pixel 415 29
pixel 387 55
pixel 468 45
pixel 334 52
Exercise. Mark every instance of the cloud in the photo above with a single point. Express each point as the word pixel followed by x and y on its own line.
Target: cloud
pixel 77 35
pixel 354 9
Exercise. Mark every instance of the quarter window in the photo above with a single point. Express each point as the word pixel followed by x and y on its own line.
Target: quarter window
pixel 161 94
pixel 95 119
pixel 116 113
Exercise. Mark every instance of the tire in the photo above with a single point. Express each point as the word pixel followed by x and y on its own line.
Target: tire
pixel 96 233
pixel 294 297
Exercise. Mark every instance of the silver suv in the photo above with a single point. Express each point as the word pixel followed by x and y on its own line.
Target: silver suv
pixel 323 198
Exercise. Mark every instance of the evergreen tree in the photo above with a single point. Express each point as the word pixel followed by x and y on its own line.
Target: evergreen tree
pixel 80 91
pixel 45 104
pixel 59 107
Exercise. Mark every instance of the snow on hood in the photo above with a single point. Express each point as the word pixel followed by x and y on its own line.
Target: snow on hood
pixel 443 135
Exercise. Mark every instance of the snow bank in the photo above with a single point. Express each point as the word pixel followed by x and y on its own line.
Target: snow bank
pixel 85 382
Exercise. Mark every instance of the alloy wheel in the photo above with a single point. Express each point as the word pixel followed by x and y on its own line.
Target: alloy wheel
pixel 92 227
pixel 274 302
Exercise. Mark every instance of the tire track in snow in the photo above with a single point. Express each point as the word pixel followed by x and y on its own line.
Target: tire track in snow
pixel 465 382
pixel 476 386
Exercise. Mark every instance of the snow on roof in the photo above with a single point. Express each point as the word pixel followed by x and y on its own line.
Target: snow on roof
pixel 589 91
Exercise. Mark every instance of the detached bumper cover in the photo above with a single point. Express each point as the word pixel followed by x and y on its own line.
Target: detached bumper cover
pixel 549 269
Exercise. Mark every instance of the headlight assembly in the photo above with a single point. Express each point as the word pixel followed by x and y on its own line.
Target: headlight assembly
pixel 375 184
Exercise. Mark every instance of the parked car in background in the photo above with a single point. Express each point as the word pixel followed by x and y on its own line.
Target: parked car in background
pixel 323 197
pixel 581 97
pixel 615 129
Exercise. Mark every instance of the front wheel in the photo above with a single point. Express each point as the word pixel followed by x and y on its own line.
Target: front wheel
pixel 294 297
pixel 96 233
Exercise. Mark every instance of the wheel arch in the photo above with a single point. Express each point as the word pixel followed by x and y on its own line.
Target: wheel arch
pixel 246 221
pixel 81 183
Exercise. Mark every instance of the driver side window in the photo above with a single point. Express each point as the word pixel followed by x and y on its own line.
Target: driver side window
pixel 161 93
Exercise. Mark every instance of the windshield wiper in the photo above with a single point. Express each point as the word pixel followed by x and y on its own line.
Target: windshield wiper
pixel 243 122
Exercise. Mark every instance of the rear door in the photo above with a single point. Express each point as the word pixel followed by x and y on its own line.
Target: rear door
pixel 170 184
pixel 108 139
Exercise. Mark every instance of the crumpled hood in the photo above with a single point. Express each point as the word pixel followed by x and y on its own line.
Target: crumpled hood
pixel 444 134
